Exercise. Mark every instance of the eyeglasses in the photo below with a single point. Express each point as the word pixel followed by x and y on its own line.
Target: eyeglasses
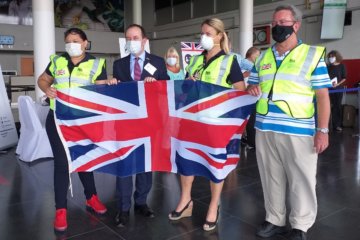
pixel 283 22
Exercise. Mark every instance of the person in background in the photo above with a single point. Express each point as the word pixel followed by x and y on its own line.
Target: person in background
pixel 287 77
pixel 337 73
pixel 139 65
pixel 207 67
pixel 249 137
pixel 173 65
pixel 72 69
pixel 245 64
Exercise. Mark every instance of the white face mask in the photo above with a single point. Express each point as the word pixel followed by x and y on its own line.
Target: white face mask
pixel 133 47
pixel 73 49
pixel 171 61
pixel 207 42
pixel 332 59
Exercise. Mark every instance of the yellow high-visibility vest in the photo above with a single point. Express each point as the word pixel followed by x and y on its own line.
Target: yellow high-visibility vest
pixel 288 85
pixel 216 72
pixel 83 74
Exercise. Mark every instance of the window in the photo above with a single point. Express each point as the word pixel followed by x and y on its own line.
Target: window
pixel 203 8
pixel 176 2
pixel 159 4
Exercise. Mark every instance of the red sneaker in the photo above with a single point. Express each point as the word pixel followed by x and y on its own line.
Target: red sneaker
pixel 95 204
pixel 60 223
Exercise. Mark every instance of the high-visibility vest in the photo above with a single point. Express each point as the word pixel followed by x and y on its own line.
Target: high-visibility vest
pixel 216 72
pixel 83 74
pixel 288 85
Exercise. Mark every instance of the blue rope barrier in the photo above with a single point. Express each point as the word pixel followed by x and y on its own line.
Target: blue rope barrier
pixel 344 90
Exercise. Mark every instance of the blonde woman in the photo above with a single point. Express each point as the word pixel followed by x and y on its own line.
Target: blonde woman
pixel 208 67
pixel 172 65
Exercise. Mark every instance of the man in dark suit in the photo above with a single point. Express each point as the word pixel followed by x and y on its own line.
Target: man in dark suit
pixel 139 65
pixel 152 67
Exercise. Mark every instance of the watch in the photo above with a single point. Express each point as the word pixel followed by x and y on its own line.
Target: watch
pixel 322 130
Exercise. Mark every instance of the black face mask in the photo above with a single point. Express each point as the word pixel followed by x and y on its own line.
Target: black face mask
pixel 281 33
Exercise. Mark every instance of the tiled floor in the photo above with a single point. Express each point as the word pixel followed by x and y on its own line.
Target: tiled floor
pixel 27 205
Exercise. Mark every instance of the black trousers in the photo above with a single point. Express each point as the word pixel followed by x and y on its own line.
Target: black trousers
pixel 61 168
pixel 336 109
pixel 250 129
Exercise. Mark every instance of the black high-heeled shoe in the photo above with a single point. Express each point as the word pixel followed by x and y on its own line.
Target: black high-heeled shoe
pixel 185 212
pixel 209 226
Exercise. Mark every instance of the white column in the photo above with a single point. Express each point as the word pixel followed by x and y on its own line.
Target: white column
pixel 44 37
pixel 246 11
pixel 137 12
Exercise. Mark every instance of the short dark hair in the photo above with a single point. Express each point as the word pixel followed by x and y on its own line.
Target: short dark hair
pixel 77 31
pixel 143 33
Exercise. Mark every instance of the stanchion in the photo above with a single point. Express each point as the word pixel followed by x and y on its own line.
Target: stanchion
pixel 358 97
pixel 357 89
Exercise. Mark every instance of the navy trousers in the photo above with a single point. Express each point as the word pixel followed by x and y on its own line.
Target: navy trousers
pixel 124 185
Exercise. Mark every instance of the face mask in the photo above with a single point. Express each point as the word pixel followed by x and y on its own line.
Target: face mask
pixel 171 61
pixel 281 33
pixel 332 59
pixel 133 47
pixel 73 49
pixel 206 42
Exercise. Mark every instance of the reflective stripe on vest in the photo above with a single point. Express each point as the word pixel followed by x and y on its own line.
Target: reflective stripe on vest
pixel 296 98
pixel 289 86
pixel 223 66
pixel 56 57
pixel 94 69
pixel 216 72
pixel 193 60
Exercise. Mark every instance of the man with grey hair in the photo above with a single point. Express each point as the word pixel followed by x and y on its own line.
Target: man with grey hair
pixel 287 77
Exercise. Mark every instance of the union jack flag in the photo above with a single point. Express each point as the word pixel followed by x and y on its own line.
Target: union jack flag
pixel 191 46
pixel 189 49
pixel 187 127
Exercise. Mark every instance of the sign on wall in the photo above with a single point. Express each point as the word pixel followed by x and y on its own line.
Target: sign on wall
pixel 8 134
pixel 332 26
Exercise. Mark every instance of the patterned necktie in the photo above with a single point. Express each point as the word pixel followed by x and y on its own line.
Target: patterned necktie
pixel 137 70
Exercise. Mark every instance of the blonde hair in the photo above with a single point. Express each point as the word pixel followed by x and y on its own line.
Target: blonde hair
pixel 218 25
pixel 172 50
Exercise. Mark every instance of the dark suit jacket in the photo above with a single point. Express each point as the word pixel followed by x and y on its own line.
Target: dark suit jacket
pixel 121 68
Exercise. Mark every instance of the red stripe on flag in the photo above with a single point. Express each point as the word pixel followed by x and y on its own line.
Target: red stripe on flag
pixel 103 159
pixel 213 102
pixel 87 104
pixel 229 161
pixel 232 160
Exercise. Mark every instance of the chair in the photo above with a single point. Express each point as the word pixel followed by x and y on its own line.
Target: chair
pixel 34 142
